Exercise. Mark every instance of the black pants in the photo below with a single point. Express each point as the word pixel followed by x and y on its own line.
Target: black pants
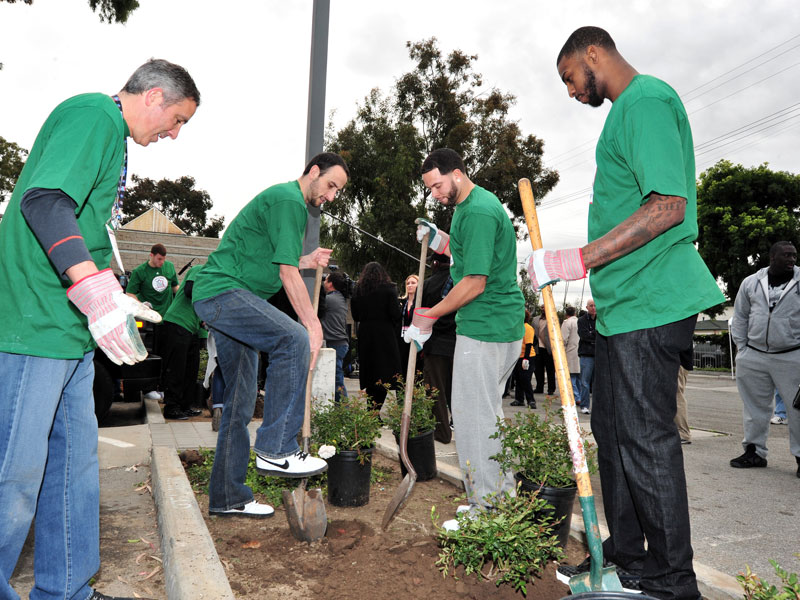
pixel 544 362
pixel 640 457
pixel 178 366
pixel 438 373
pixel 523 390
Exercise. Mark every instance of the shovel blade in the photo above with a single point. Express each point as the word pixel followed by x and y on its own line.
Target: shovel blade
pixel 400 495
pixel 607 580
pixel 305 512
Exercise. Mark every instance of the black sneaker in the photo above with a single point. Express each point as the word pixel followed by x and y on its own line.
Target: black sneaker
pixel 629 581
pixel 98 596
pixel 749 459
pixel 192 412
pixel 797 458
pixel 175 413
pixel 531 404
pixel 517 403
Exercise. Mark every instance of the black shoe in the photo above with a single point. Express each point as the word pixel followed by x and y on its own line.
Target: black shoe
pixel 629 581
pixel 531 404
pixel 192 412
pixel 537 391
pixel 797 458
pixel 175 413
pixel 98 596
pixel 517 403
pixel 749 459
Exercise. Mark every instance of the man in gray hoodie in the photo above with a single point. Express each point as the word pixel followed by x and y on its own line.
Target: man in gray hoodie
pixel 764 329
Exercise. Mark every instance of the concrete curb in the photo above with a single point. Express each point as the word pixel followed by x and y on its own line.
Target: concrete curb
pixel 192 569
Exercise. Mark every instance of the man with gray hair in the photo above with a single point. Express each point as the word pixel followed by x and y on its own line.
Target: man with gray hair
pixel 61 300
pixel 768 351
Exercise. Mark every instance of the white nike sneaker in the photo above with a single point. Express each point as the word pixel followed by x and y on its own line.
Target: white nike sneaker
pixel 253 510
pixel 296 465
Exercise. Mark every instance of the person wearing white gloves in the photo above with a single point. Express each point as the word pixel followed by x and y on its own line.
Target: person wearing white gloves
pixel 60 301
pixel 489 318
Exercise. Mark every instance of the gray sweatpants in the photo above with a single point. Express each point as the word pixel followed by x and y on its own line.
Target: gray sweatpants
pixel 480 370
pixel 757 376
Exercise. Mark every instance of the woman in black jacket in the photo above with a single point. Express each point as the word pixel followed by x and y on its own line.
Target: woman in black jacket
pixel 376 308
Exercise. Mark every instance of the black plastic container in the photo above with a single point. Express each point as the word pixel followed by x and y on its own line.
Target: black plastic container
pixel 561 499
pixel 422 454
pixel 608 596
pixel 348 477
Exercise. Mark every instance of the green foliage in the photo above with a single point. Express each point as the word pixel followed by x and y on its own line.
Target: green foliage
pixel 440 102
pixel 538 448
pixel 741 212
pixel 12 159
pixel 512 537
pixel 531 296
pixel 185 206
pixel 757 589
pixel 348 425
pixel 117 11
pixel 422 419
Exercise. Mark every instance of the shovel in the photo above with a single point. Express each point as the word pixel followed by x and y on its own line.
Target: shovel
pixel 598 578
pixel 305 509
pixel 405 487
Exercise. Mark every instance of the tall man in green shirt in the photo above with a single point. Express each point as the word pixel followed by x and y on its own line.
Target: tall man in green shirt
pixel 259 253
pixel 489 318
pixel 53 235
pixel 648 283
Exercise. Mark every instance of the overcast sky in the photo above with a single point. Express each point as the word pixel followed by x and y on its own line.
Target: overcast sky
pixel 734 63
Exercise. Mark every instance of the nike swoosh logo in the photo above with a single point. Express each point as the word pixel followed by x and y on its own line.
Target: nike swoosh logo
pixel 283 465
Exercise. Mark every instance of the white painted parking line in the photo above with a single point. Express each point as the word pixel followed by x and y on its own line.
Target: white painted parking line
pixel 113 442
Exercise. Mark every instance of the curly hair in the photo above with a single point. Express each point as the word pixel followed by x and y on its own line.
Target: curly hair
pixel 372 277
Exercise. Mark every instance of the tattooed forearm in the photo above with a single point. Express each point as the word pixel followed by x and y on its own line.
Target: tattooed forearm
pixel 653 218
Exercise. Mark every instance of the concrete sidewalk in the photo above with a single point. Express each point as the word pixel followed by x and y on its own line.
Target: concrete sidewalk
pixel 192 566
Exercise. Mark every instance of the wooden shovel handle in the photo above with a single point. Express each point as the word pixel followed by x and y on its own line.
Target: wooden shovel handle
pixel 306 433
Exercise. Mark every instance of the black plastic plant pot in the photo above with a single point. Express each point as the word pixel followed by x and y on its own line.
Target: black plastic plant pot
pixel 348 477
pixel 422 454
pixel 561 499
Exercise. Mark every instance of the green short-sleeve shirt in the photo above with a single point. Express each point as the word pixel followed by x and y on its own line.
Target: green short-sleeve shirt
pixel 181 312
pixel 79 150
pixel 154 285
pixel 482 242
pixel 646 146
pixel 267 233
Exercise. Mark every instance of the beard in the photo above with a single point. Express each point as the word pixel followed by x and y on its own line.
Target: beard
pixel 593 98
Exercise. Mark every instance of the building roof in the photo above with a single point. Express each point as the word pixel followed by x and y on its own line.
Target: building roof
pixel 155 221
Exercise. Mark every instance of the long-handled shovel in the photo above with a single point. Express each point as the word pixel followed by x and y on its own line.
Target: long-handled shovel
pixel 305 509
pixel 598 578
pixel 405 487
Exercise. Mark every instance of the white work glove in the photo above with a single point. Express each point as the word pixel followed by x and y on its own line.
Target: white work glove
pixel 525 364
pixel 420 329
pixel 548 266
pixel 437 240
pixel 111 316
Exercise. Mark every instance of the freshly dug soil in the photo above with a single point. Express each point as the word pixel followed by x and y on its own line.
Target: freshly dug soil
pixel 357 560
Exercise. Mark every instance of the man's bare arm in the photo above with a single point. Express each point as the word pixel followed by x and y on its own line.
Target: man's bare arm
pixel 653 218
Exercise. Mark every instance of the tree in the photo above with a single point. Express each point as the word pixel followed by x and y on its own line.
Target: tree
pixel 178 200
pixel 12 159
pixel 531 296
pixel 741 212
pixel 110 10
pixel 440 103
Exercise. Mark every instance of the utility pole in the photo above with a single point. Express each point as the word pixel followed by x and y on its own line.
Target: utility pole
pixel 315 128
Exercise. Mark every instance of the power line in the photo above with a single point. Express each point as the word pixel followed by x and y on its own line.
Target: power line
pixel 367 233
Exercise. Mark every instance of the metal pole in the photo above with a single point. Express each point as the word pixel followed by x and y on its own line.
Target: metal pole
pixel 315 128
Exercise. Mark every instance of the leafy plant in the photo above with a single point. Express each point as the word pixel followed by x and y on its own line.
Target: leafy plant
pixel 537 448
pixel 422 419
pixel 346 425
pixel 507 538
pixel 757 589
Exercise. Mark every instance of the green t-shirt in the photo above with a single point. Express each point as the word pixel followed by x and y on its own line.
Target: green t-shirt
pixel 79 150
pixel 646 146
pixel 267 233
pixel 181 312
pixel 482 242
pixel 154 285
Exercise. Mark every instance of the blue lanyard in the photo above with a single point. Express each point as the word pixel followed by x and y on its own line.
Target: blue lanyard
pixel 116 212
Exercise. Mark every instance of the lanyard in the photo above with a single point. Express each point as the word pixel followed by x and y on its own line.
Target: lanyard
pixel 116 212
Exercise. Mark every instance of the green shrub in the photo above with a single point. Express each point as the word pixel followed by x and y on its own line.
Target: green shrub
pixel 347 425
pixel 422 419
pixel 757 589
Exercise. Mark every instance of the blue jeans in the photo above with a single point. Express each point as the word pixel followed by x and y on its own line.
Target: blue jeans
pixel 587 373
pixel 780 407
pixel 245 325
pixel 577 386
pixel 640 458
pixel 48 450
pixel 341 352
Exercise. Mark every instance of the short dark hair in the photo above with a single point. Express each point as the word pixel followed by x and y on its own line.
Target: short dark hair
pixel 444 159
pixel 174 80
pixel 569 311
pixel 159 249
pixel 584 37
pixel 339 282
pixel 325 161
pixel 776 247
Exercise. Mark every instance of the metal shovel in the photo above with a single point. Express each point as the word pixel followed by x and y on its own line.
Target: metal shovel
pixel 405 487
pixel 305 509
pixel 598 578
